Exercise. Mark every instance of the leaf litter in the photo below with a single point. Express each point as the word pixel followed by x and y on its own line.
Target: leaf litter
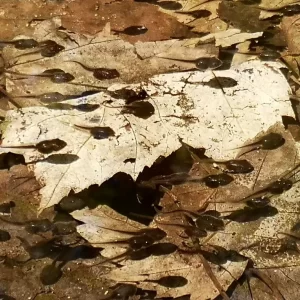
pixel 162 89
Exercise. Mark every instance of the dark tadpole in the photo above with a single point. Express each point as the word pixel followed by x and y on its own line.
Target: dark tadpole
pixel 269 55
pixel 49 146
pixel 97 132
pixel 195 232
pixel 50 48
pixel 215 181
pixel 209 223
pixel 71 203
pixel 140 109
pixel 219 255
pixel 51 97
pixel 21 44
pixel 33 226
pixel 64 228
pixel 280 186
pixel 41 249
pixel 61 159
pixel 132 30
pixel 208 63
pixel 100 73
pixel 248 214
pixel 202 63
pixel 129 95
pixel 57 75
pixel 51 274
pixel 45 147
pixel 134 243
pixel 270 141
pixel 78 252
pixel 221 82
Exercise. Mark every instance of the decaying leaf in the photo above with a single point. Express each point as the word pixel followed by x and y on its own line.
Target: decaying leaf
pixel 184 107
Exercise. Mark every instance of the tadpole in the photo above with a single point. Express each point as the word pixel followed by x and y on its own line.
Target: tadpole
pixel 209 223
pixel 50 48
pixel 33 226
pixel 134 243
pixel 132 30
pixel 140 109
pixel 55 75
pixel 129 95
pixel 269 55
pixel 21 44
pixel 97 132
pixel 270 141
pixel 248 214
pixel 71 203
pixel 51 274
pixel 100 73
pixel 212 181
pixel 258 202
pixel 217 180
pixel 41 249
pixel 45 147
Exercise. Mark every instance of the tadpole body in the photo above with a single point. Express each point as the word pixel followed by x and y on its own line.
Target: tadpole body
pixel 51 274
pixel 100 73
pixel 50 48
pixel 209 223
pixel 132 30
pixel 140 109
pixel 71 203
pixel 215 181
